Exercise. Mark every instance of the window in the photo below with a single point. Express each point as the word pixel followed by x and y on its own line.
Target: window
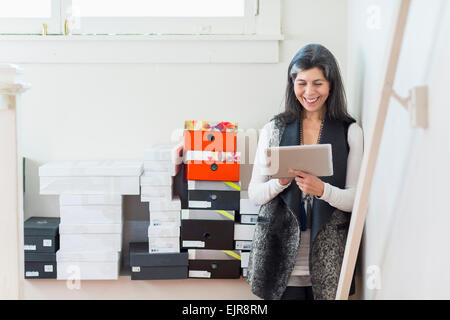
pixel 160 8
pixel 129 16
pixel 162 16
pixel 26 9
pixel 28 16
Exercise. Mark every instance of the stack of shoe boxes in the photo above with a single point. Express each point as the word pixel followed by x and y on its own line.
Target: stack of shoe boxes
pixel 41 241
pixel 212 173
pixel 160 258
pixel 161 165
pixel 245 229
pixel 91 214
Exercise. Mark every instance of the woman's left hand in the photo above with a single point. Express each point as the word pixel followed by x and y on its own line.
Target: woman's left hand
pixel 308 183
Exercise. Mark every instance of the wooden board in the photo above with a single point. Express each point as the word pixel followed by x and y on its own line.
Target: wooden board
pixel 371 152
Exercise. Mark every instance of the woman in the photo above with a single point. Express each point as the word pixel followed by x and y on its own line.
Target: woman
pixel 300 235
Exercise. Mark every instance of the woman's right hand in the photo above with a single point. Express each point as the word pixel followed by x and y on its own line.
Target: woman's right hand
pixel 285 181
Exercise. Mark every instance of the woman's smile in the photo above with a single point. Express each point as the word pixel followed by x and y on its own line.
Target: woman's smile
pixel 311 101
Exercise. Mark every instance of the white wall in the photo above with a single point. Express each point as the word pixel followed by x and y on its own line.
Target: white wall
pixel 102 111
pixel 406 233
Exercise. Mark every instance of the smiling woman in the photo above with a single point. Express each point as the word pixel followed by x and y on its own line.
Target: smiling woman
pixel 300 236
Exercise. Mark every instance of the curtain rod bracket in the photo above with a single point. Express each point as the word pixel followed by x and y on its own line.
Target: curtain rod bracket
pixel 416 104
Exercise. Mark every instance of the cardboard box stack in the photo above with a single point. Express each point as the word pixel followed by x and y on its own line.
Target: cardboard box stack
pixel 161 165
pixel 91 214
pixel 41 241
pixel 243 231
pixel 160 258
pixel 212 173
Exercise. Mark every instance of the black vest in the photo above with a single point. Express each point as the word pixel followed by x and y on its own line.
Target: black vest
pixel 335 133
pixel 276 237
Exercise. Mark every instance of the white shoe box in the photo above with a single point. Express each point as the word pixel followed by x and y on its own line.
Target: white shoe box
pixel 151 166
pixel 243 231
pixel 156 179
pixel 87 265
pixel 90 185
pixel 162 218
pixel 159 245
pixel 91 214
pixel 168 230
pixel 150 192
pixel 159 204
pixel 90 237
pixel 246 206
pixel 173 214
pixel 83 199
pixel 103 168
pixel 90 177
pixel 162 222
pixel 167 152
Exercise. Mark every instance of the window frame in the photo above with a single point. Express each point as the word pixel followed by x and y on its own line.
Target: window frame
pixel 166 25
pixel 33 25
pixel 261 47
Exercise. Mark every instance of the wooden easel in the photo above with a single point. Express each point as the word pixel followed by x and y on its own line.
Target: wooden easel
pixel 10 184
pixel 371 153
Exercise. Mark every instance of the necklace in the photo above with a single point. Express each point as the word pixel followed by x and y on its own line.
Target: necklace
pixel 308 197
pixel 301 132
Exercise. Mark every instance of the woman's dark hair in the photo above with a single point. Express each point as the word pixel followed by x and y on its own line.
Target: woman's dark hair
pixel 311 56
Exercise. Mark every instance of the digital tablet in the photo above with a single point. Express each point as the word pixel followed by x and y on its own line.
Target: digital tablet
pixel 315 159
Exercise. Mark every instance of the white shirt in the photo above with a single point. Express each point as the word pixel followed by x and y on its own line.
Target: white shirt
pixel 261 190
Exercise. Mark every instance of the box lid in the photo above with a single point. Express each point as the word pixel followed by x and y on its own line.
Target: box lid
pixel 214 185
pixel 206 214
pixel 40 257
pixel 207 254
pixel 223 126
pixel 161 204
pixel 102 168
pixel 167 230
pixel 165 152
pixel 212 156
pixel 88 256
pixel 41 226
pixel 89 199
pixel 90 228
pixel 139 256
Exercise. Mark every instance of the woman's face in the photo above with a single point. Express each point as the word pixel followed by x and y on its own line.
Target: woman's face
pixel 311 89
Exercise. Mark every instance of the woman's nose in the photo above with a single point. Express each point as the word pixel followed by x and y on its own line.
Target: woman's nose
pixel 309 90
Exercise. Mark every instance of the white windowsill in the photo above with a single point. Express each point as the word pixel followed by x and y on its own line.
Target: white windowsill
pixel 140 48
pixel 120 37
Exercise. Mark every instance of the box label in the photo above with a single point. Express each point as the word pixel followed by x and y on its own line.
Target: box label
pixel 199 274
pixel 165 250
pixel 135 269
pixel 243 245
pixel 32 274
pixel 195 244
pixel 29 247
pixel 199 204
pixel 48 268
pixel 249 219
pixel 47 242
